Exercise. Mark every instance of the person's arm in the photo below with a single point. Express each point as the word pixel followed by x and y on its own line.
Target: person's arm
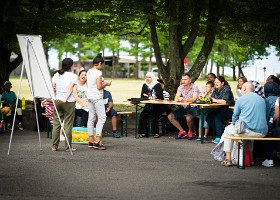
pixel 77 98
pixel 276 113
pixel 144 91
pixel 219 101
pixel 178 96
pixel 69 92
pixel 159 91
pixel 109 107
pixel 101 85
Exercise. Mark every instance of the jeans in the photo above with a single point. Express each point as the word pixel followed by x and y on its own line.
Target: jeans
pixel 217 117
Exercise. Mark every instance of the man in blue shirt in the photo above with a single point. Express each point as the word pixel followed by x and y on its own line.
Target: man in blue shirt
pixel 251 109
pixel 108 101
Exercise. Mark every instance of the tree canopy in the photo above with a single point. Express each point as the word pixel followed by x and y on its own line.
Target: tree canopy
pixel 176 23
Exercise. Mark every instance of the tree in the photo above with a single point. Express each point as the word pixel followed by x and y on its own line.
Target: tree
pixel 51 19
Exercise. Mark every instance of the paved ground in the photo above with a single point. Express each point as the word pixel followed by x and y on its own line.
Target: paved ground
pixel 130 168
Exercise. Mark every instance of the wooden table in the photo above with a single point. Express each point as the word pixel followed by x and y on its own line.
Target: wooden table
pixel 163 102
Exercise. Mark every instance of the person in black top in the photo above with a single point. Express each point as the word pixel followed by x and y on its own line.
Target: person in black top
pixel 150 86
pixel 222 94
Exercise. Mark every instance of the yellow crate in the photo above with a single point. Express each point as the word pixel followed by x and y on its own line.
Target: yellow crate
pixel 80 135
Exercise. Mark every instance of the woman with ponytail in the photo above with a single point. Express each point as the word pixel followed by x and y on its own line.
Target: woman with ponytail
pixel 63 82
pixel 95 102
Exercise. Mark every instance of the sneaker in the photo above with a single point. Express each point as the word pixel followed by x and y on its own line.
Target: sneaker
pixel 90 145
pixel 181 135
pixel 190 135
pixel 20 126
pixel 216 141
pixel 267 163
pixel 98 146
pixel 101 147
pixel 199 138
pixel 116 134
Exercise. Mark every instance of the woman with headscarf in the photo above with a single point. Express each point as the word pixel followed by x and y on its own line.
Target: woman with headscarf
pixel 150 86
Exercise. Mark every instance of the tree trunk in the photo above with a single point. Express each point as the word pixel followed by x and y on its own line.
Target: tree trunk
pixel 214 15
pixel 6 66
pixel 233 73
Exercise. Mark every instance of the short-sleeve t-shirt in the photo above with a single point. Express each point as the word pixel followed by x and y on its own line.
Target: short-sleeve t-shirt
pixel 82 94
pixel 187 94
pixel 92 92
pixel 9 97
pixel 277 102
pixel 62 83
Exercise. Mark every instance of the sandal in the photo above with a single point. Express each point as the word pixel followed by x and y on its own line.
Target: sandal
pixel 227 163
pixel 141 135
pixel 156 136
pixel 54 148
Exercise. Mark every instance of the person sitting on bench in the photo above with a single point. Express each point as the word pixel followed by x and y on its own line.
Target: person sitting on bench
pixel 251 109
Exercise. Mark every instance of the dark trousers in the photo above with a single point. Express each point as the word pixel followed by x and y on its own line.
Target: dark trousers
pixel 155 111
pixel 216 119
pixel 83 114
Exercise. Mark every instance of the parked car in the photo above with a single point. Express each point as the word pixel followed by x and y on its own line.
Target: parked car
pixel 155 71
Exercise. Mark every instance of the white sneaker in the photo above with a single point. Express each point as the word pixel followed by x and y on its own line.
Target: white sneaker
pixel 267 163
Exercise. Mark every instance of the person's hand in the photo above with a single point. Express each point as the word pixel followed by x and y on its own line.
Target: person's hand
pixel 108 83
pixel 60 101
pixel 108 109
pixel 180 99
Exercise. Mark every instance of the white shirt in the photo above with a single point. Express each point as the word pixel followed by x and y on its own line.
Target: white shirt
pixel 92 92
pixel 82 94
pixel 277 102
pixel 62 83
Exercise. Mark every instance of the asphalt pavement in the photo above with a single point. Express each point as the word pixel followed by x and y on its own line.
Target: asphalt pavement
pixel 147 168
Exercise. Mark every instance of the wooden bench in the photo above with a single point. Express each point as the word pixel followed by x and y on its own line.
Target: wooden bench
pixel 242 140
pixel 124 116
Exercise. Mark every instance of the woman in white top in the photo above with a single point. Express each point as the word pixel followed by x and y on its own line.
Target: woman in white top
pixel 63 83
pixel 95 102
pixel 81 107
pixel 240 82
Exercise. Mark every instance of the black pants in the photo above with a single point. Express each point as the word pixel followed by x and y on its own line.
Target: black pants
pixel 155 112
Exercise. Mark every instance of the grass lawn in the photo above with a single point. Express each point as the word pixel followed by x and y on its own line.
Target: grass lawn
pixel 121 89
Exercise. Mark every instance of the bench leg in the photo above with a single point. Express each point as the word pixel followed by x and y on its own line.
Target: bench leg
pixel 122 125
pixel 125 121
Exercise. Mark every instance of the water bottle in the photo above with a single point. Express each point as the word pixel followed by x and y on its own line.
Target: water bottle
pixel 153 95
pixel 23 103
pixel 241 156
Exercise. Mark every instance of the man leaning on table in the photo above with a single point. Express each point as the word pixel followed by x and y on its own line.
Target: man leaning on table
pixel 250 108
pixel 187 92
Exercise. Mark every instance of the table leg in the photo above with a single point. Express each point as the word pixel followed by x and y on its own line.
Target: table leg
pixel 202 124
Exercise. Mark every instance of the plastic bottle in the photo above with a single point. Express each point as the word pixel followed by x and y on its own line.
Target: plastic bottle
pixel 241 156
pixel 23 103
pixel 153 95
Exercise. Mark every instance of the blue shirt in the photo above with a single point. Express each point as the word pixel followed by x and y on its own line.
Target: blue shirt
pixel 107 95
pixel 251 109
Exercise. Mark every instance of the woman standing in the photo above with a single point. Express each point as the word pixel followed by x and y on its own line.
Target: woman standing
pixel 222 94
pixel 95 102
pixel 150 86
pixel 81 106
pixel 63 82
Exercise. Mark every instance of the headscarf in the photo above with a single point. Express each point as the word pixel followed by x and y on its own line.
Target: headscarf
pixel 154 80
